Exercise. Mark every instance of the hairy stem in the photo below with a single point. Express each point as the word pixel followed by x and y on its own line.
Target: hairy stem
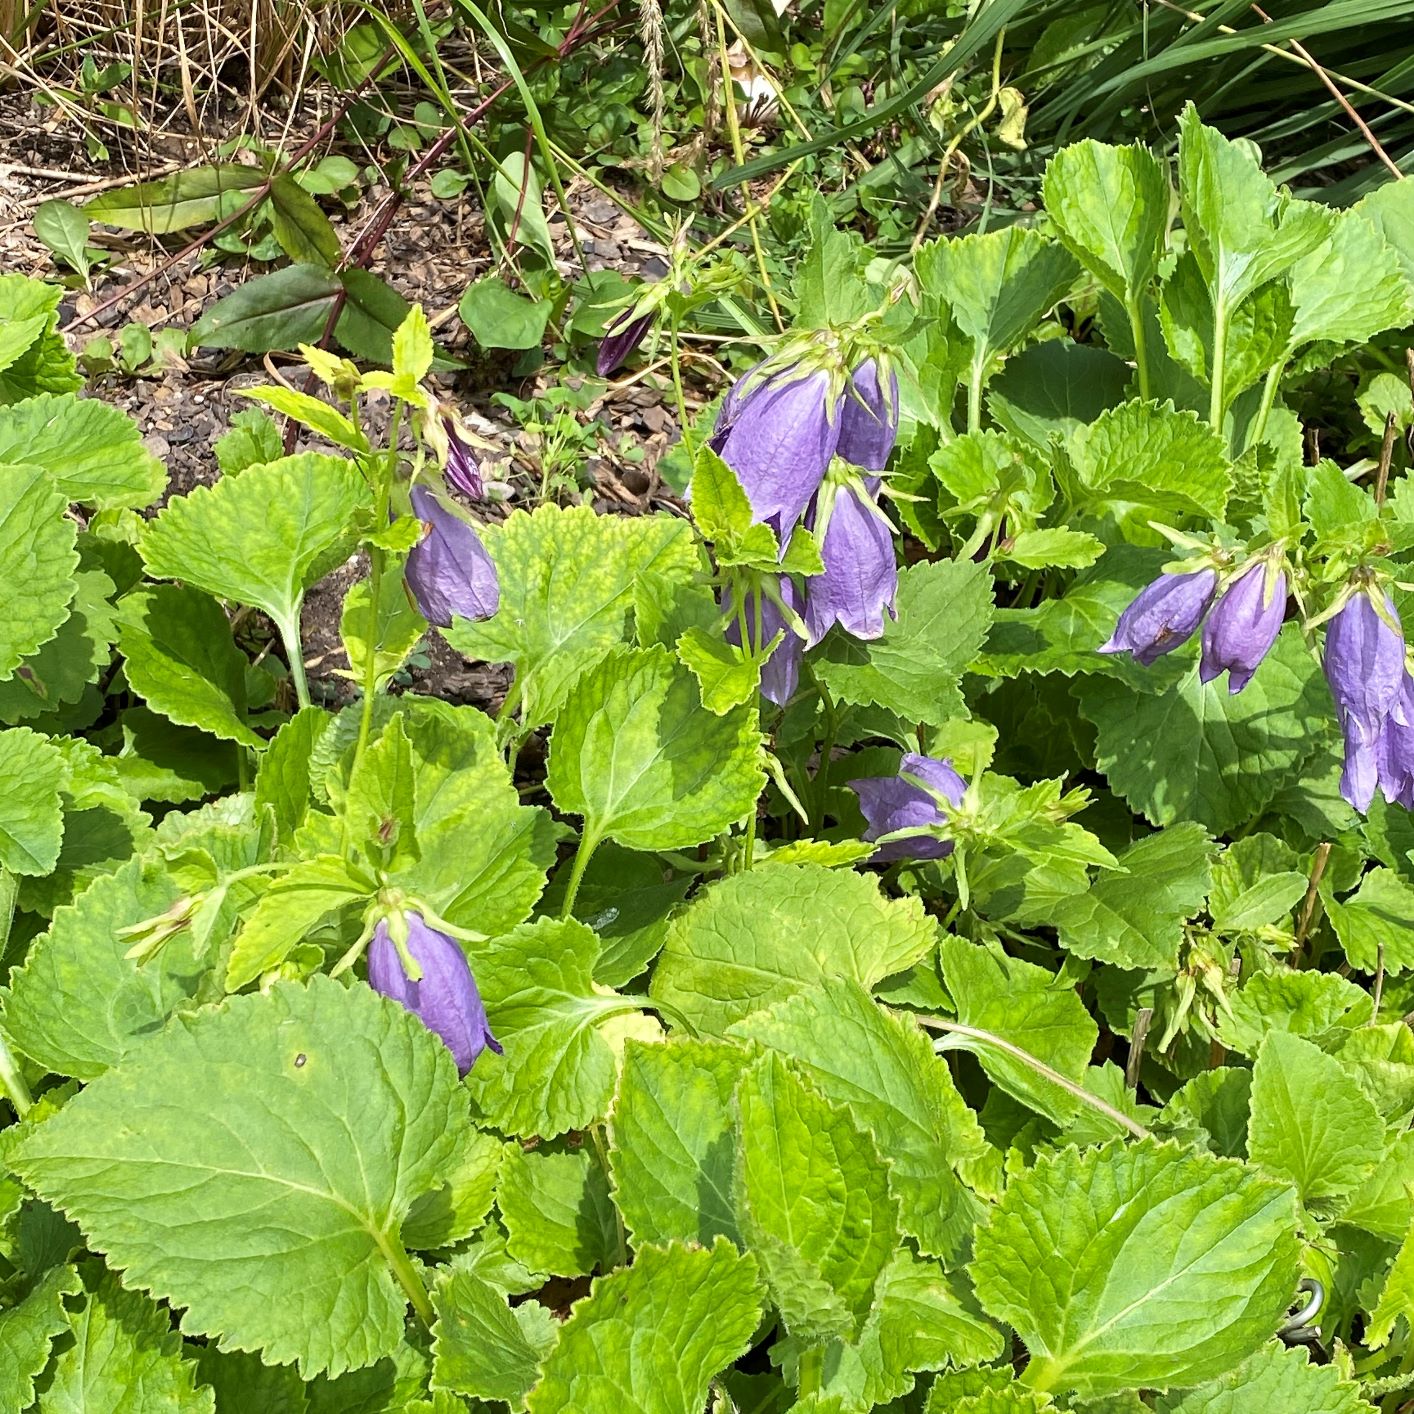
pixel 294 652
pixel 988 1038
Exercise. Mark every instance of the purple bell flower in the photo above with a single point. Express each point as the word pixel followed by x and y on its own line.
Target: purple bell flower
pixel 1395 750
pixel 780 674
pixel 1163 616
pixel 861 570
pixel 622 335
pixel 462 470
pixel 1364 663
pixel 445 999
pixel 779 439
pixel 1242 627
pixel 449 571
pixel 868 419
pixel 893 803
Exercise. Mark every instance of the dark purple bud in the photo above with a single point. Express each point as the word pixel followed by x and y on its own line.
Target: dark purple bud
pixel 861 570
pixel 1242 627
pixel 779 441
pixel 1163 616
pixel 445 999
pixel 1364 663
pixel 868 419
pixel 622 335
pixel 893 803
pixel 462 469
pixel 449 571
pixel 780 674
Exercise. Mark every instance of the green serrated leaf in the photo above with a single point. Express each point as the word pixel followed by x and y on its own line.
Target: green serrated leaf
pixel 329 1106
pixel 251 440
pixel 754 939
pixel 567 580
pixel 1396 1296
pixel 180 657
pixel 62 670
pixel 93 452
pixel 1134 916
pixel 261 537
pixel 455 1210
pixel 882 1068
pixel 944 609
pixel 37 563
pixel 1375 925
pixel 651 1336
pixel 1276 1377
pixel 1029 1007
pixel 27 1331
pixel 726 677
pixel 1136 1265
pixel 45 365
pixel 399 628
pixel 919 1321
pixel 78 1006
pixel 996 285
pixel 1311 1125
pixel 125 1357
pixel 297 899
pixel 1111 206
pixel 558 1069
pixel 813 1202
pixel 32 774
pixel 635 755
pixel 1318 1005
pixel 1197 752
pixel 482 1346
pixel 556 1207
pixel 671 1155
pixel 1152 456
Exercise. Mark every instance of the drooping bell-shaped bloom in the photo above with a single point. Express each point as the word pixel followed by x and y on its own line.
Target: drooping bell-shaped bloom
pixel 780 674
pixel 893 803
pixel 868 418
pixel 449 571
pixel 462 470
pixel 1394 753
pixel 622 335
pixel 444 998
pixel 861 569
pixel 1364 663
pixel 447 435
pixel 779 438
pixel 1163 616
pixel 1242 627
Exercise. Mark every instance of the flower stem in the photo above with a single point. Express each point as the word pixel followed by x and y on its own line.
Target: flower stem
pixel 988 1038
pixel 587 845
pixel 684 435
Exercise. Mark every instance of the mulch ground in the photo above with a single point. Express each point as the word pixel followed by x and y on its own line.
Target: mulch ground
pixel 433 251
